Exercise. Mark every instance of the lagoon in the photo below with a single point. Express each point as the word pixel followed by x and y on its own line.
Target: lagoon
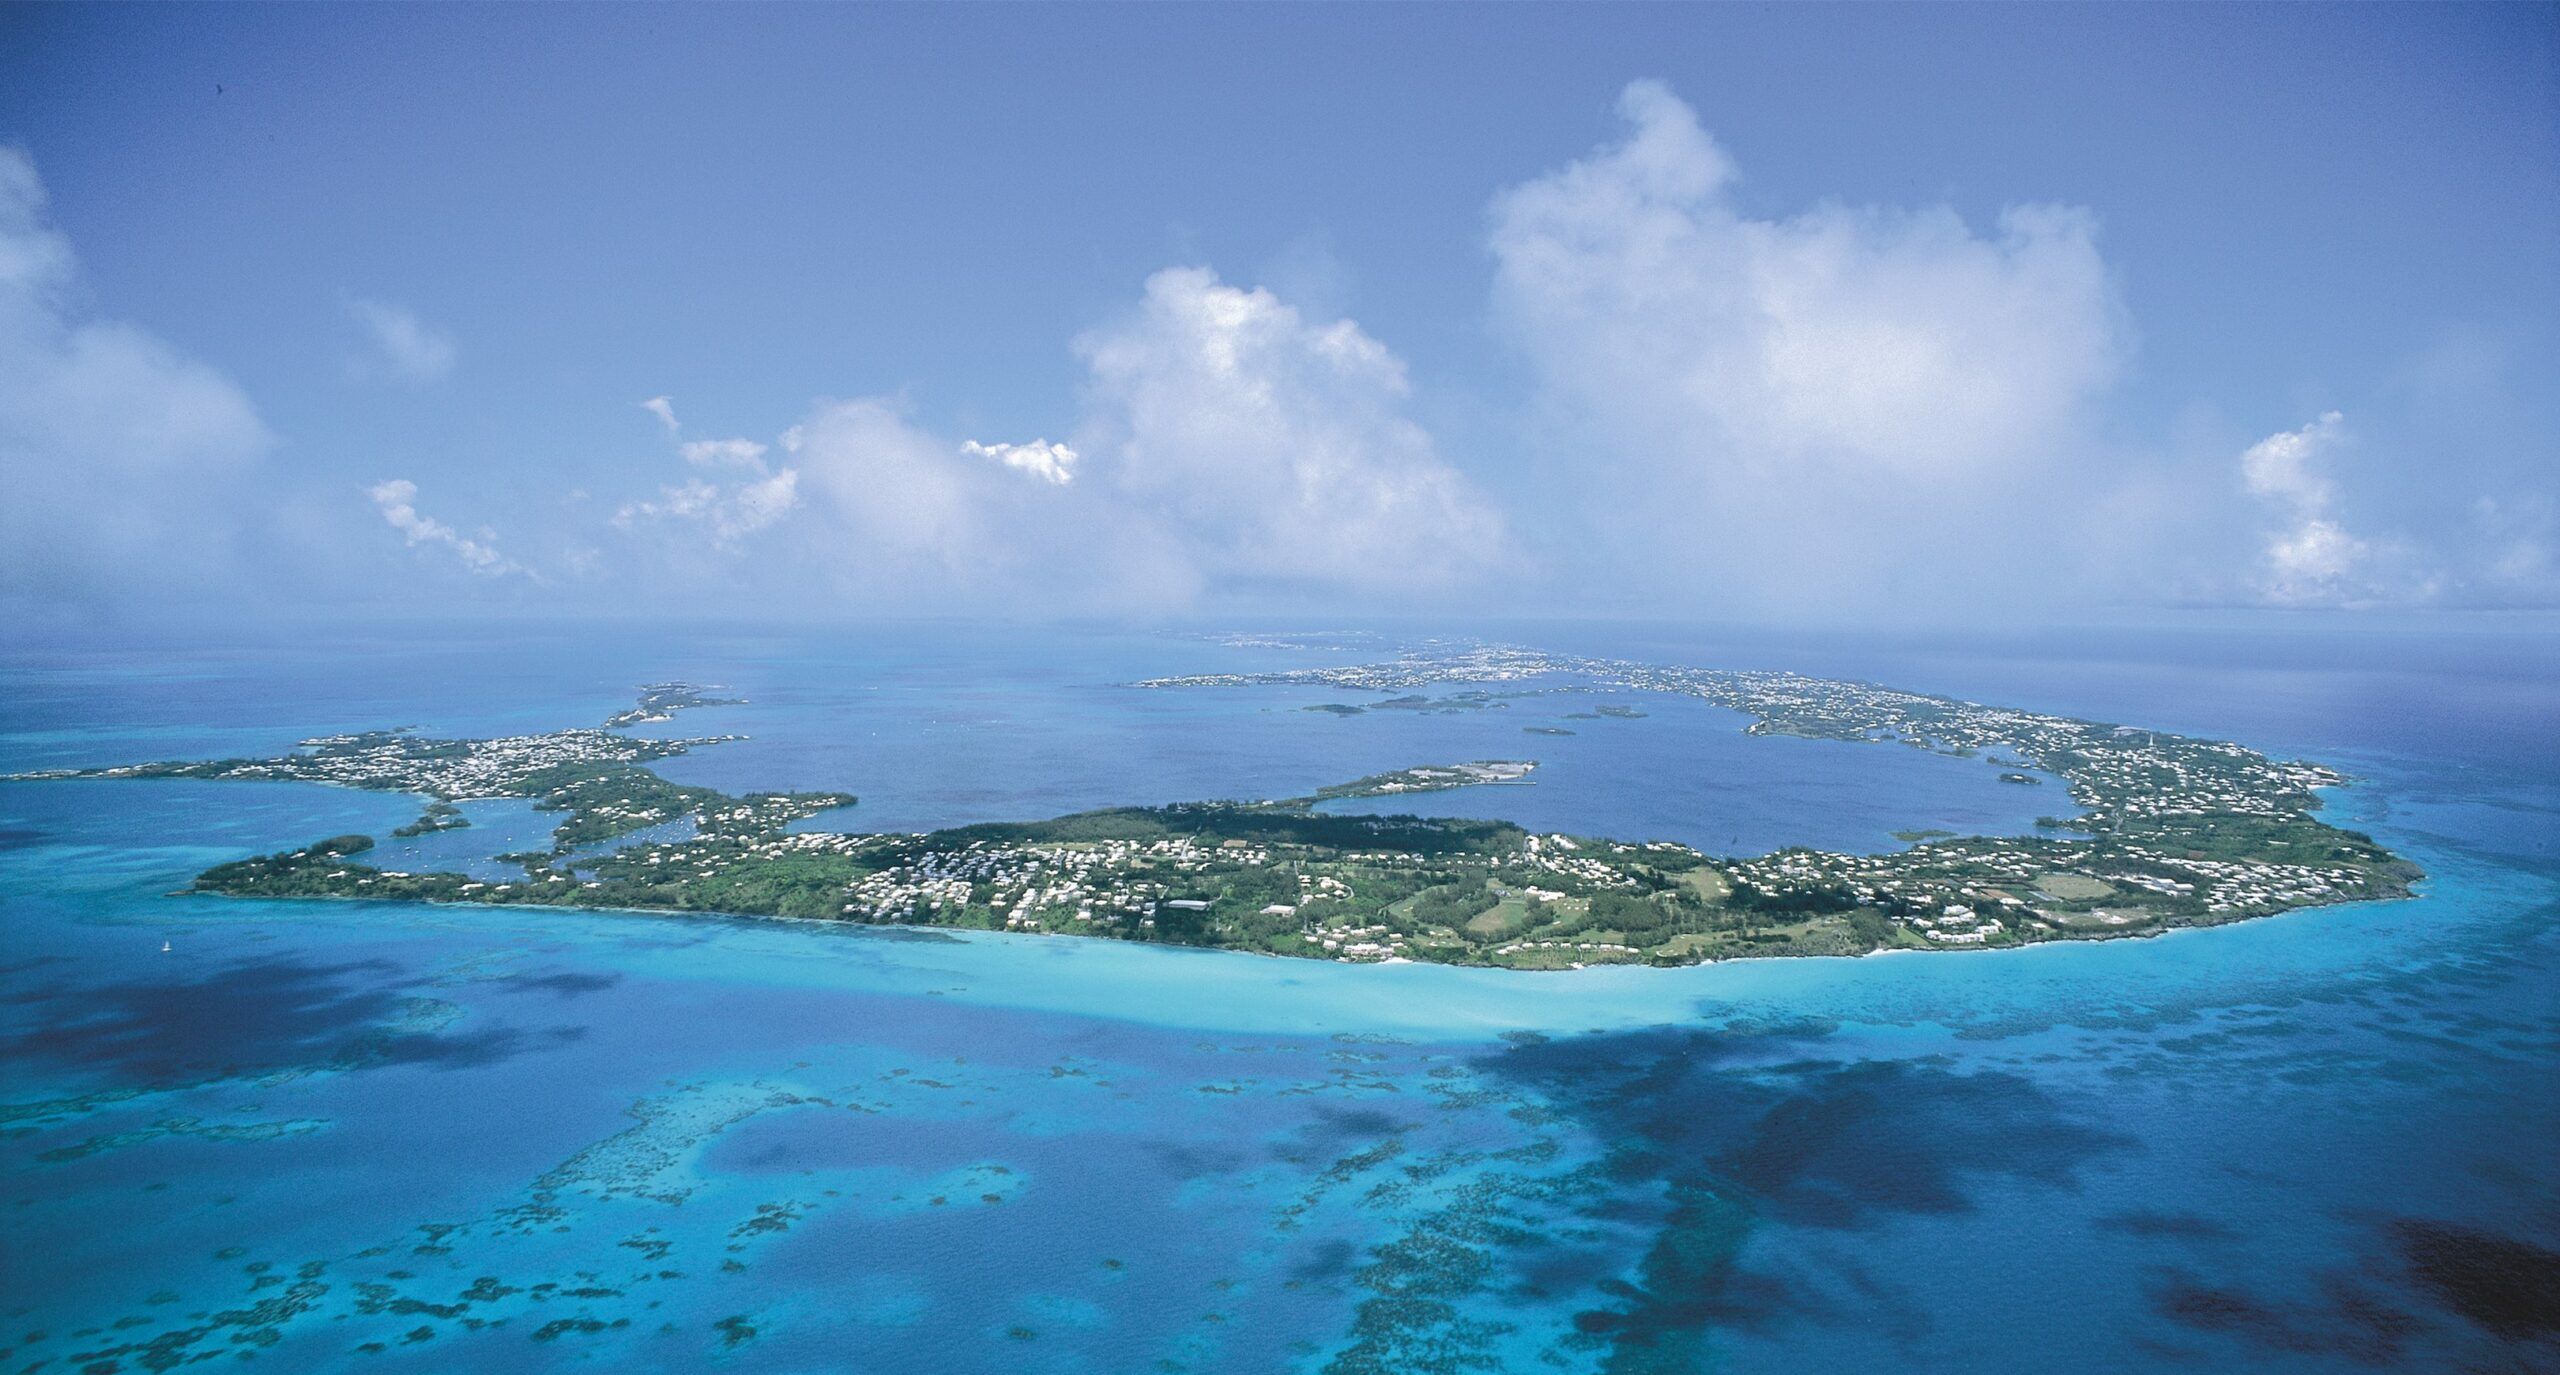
pixel 311 1130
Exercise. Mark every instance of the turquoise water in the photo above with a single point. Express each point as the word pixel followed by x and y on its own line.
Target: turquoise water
pixel 321 1136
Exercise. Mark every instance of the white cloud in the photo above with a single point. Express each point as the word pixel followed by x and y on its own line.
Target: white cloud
pixel 686 500
pixel 2310 558
pixel 898 497
pixel 2312 561
pixel 1051 463
pixel 406 347
pixel 729 513
pixel 902 514
pixel 1226 441
pixel 754 505
pixel 117 450
pixel 1840 405
pixel 1273 447
pixel 1882 339
pixel 755 498
pixel 716 453
pixel 2283 467
pixel 397 500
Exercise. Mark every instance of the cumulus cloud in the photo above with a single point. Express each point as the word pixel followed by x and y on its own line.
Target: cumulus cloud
pixel 897 511
pixel 1051 463
pixel 2313 561
pixel 757 504
pixel 1226 442
pixel 729 513
pixel 2284 468
pixel 1274 447
pixel 751 497
pixel 1889 338
pixel 2309 557
pixel 397 500
pixel 864 507
pixel 718 453
pixel 1829 380
pixel 404 347
pixel 117 447
pixel 898 495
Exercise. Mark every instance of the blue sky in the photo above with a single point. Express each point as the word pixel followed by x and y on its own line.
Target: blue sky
pixel 1841 313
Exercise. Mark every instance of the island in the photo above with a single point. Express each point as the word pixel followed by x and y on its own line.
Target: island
pixel 1431 779
pixel 2171 832
pixel 661 702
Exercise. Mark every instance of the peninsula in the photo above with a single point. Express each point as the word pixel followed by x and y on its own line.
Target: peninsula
pixel 2170 831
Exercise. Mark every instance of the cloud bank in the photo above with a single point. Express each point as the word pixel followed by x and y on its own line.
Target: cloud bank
pixel 1227 444
pixel 1277 448
pixel 2310 558
pixel 1839 411
pixel 116 445
pixel 1833 400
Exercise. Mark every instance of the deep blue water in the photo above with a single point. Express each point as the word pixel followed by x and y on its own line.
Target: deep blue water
pixel 325 1136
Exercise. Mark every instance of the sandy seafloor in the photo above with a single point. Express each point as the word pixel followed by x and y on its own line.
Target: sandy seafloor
pixel 327 1136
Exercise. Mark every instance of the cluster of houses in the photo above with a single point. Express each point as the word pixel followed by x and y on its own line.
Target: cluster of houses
pixel 1474 664
pixel 2149 804
pixel 1039 887
pixel 396 761
pixel 2255 885
pixel 1589 948
pixel 1439 777
pixel 1956 924
pixel 1561 855
pixel 1362 943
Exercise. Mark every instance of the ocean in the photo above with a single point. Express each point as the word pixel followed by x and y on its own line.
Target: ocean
pixel 324 1136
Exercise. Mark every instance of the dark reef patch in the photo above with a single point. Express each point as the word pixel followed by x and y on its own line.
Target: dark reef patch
pixel 254 1014
pixel 470 1050
pixel 1853 1142
pixel 1325 1261
pixel 2510 1288
pixel 2414 1275
pixel 2348 1320
pixel 1333 1131
pixel 258 1015
pixel 567 983
pixel 1713 1142
pixel 2146 1223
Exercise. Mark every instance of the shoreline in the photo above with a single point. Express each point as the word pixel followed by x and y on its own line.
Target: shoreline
pixel 2169 833
pixel 963 934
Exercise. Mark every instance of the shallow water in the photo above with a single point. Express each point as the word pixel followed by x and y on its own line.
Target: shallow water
pixel 324 1135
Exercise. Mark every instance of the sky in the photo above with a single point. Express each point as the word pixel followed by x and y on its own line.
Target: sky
pixel 1864 314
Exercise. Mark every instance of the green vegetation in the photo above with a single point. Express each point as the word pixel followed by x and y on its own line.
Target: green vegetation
pixel 439 816
pixel 1433 779
pixel 2173 832
pixel 661 701
pixel 596 777
pixel 1417 702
